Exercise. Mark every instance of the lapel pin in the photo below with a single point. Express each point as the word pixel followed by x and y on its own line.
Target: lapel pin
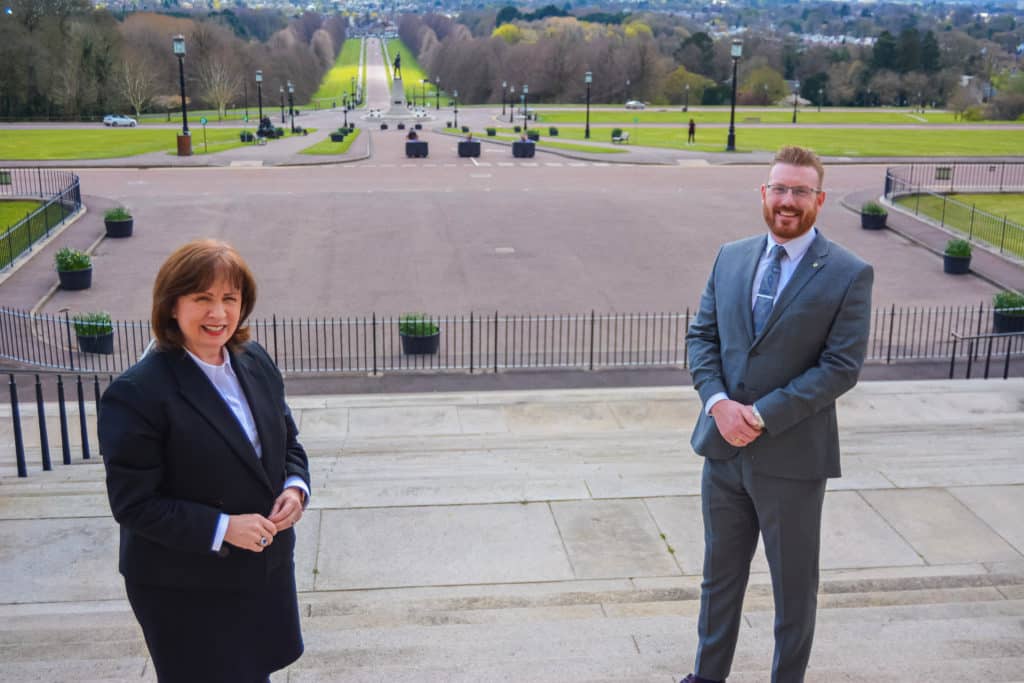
pixel 815 264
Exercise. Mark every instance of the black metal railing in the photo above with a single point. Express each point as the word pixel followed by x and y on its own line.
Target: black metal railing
pixel 61 199
pixel 925 189
pixel 75 414
pixel 984 349
pixel 476 343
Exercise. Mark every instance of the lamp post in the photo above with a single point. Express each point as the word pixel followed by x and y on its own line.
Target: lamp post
pixel 627 90
pixel 587 78
pixel 245 97
pixel 504 87
pixel 437 93
pixel 455 100
pixel 259 92
pixel 185 139
pixel 736 51
pixel 282 105
pixel 354 87
pixel 291 104
pixel 796 94
pixel 511 103
pixel 819 100
pixel 344 111
pixel 526 91
pixel 686 104
pixel 423 92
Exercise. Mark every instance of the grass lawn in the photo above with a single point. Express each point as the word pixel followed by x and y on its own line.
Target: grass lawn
pixel 748 115
pixel 854 142
pixel 412 72
pixel 107 143
pixel 986 228
pixel 11 245
pixel 338 80
pixel 326 147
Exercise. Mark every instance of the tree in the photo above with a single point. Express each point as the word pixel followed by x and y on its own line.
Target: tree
pixel 908 52
pixel 219 85
pixel 137 82
pixel 930 54
pixel 762 85
pixel 884 56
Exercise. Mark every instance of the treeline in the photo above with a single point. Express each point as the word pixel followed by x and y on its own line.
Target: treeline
pixel 63 59
pixel 664 59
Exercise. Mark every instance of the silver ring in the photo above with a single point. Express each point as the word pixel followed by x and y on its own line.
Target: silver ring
pixel 263 540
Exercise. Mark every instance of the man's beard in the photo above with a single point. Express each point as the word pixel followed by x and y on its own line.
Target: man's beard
pixel 805 219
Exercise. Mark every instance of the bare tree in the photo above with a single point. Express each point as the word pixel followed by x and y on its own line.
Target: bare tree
pixel 219 84
pixel 137 82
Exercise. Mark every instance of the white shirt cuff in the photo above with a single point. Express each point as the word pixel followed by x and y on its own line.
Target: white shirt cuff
pixel 222 530
pixel 715 398
pixel 296 482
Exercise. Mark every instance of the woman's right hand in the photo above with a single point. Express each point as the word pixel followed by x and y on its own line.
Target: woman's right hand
pixel 250 532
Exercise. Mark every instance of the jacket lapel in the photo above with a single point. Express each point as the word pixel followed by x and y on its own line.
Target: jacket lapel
pixel 813 262
pixel 752 257
pixel 197 390
pixel 260 398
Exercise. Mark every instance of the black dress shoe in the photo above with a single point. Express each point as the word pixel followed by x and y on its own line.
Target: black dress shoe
pixel 691 678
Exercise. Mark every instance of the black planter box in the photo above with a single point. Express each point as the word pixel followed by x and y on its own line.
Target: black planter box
pixel 383 126
pixel 469 148
pixel 75 279
pixel 956 265
pixel 523 150
pixel 246 137
pixel 873 221
pixel 416 148
pixel 119 228
pixel 101 343
pixel 420 346
pixel 401 126
pixel 337 137
pixel 418 126
pixel 1004 322
pixel 533 135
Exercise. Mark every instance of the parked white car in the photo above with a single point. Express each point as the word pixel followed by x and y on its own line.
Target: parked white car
pixel 114 121
pixel 635 104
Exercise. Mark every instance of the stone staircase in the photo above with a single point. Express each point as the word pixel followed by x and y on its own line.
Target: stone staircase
pixel 556 536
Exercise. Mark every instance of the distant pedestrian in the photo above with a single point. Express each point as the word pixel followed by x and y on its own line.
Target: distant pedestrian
pixel 691 136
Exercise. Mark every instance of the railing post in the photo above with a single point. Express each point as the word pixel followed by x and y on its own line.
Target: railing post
pixel 82 422
pixel 970 230
pixel 1002 238
pixel 591 338
pixel 471 342
pixel 373 336
pixel 44 442
pixel 495 341
pixel 892 326
pixel 273 319
pixel 942 221
pixel 71 352
pixel 1006 363
pixel 65 447
pixel 19 443
pixel 952 358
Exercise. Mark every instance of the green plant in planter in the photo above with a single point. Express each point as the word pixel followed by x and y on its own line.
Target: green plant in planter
pixel 117 214
pixel 616 133
pixel 417 325
pixel 69 259
pixel 873 209
pixel 958 248
pixel 92 324
pixel 1009 300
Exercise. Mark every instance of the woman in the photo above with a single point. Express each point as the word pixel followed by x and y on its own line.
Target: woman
pixel 206 477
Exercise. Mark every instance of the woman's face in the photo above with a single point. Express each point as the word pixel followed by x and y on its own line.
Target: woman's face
pixel 209 318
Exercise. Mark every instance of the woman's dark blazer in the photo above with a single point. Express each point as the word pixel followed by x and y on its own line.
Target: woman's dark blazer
pixel 176 458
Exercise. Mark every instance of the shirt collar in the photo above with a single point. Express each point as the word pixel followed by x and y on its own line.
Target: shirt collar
pixel 211 369
pixel 796 247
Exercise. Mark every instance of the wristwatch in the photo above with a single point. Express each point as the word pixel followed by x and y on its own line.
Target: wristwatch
pixel 757 416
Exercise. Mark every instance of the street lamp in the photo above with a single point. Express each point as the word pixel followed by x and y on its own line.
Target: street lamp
pixel 796 94
pixel 291 104
pixel 185 139
pixel 511 103
pixel 736 51
pixel 686 104
pixel 504 87
pixel 455 99
pixel 526 91
pixel 437 93
pixel 259 91
pixel 588 78
pixel 819 100
pixel 423 92
pixel 344 111
pixel 354 87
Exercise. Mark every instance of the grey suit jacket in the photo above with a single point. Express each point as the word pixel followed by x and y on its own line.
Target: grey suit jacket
pixel 809 353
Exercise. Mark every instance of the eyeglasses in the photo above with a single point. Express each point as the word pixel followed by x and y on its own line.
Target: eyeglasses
pixel 800 191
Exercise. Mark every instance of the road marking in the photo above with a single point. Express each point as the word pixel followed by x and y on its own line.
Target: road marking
pixel 480 175
pixel 553 164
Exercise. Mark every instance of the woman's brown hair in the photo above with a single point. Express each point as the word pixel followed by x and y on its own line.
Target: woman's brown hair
pixel 193 268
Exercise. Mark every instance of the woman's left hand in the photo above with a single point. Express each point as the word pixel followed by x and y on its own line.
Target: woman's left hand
pixel 287 509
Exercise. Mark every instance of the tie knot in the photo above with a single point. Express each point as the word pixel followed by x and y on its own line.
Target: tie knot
pixel 777 252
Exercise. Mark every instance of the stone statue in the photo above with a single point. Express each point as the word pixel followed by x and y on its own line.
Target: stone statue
pixel 398 66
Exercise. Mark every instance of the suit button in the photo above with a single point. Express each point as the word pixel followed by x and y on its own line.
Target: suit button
pixel 741 385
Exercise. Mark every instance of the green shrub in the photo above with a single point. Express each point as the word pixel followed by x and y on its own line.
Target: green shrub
pixel 1009 299
pixel 417 325
pixel 71 259
pixel 957 247
pixel 873 209
pixel 552 131
pixel 616 132
pixel 117 214
pixel 92 324
pixel 491 132
pixel 975 113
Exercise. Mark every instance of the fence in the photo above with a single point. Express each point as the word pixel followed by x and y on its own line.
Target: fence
pixel 930 184
pixel 986 348
pixel 62 199
pixel 477 343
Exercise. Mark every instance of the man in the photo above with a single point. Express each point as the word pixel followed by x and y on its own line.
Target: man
pixel 781 334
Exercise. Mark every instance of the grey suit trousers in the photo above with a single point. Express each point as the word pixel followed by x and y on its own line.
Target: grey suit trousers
pixel 737 504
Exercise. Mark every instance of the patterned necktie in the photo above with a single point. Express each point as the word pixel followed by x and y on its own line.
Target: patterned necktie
pixel 766 292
